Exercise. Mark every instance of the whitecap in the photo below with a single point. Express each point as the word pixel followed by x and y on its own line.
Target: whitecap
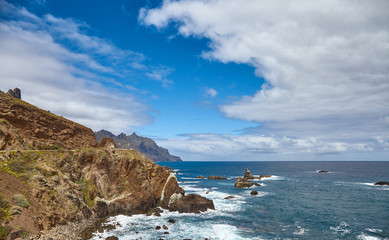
pixel 342 229
pixel 189 178
pixel 374 230
pixel 367 237
pixel 300 231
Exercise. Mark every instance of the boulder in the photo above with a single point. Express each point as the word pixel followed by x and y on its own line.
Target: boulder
pixel 243 183
pixel 165 227
pixel 16 93
pixel 192 203
pixel 172 221
pixel 263 176
pixel 248 175
pixel 254 193
pixel 382 183
pixel 322 171
pixel 201 177
pixel 112 238
pixel 229 197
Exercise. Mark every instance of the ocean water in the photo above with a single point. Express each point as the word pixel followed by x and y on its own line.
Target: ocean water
pixel 295 203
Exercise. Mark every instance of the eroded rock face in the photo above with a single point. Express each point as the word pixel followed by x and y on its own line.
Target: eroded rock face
pixel 24 126
pixel 70 186
pixel 248 175
pixel 192 203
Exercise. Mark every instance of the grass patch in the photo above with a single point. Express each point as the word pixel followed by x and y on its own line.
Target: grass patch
pixel 88 189
pixel 4 231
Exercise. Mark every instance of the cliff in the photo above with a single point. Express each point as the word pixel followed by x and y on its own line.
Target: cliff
pixel 74 181
pixel 24 126
pixel 144 145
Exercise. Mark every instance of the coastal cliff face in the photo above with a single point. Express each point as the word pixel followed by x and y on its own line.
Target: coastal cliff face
pixel 24 126
pixel 146 146
pixel 68 186
pixel 65 184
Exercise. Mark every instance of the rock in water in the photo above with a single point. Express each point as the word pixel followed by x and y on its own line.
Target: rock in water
pixel 192 203
pixel 382 183
pixel 212 177
pixel 201 177
pixel 243 183
pixel 322 171
pixel 254 193
pixel 248 175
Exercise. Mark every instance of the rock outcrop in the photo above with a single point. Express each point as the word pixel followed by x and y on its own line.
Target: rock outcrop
pixel 26 127
pixel 144 145
pixel 243 182
pixel 382 183
pixel 212 177
pixel 16 93
pixel 192 203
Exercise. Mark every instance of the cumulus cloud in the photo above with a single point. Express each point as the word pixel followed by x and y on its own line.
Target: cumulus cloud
pixel 325 63
pixel 68 82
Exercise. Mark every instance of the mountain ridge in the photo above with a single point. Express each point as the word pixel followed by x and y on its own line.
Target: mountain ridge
pixel 146 146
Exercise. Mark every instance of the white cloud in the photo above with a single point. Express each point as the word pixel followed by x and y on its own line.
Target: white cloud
pixel 325 62
pixel 211 92
pixel 66 82
pixel 255 147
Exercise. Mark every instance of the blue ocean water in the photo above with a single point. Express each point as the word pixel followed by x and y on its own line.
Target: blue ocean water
pixel 295 203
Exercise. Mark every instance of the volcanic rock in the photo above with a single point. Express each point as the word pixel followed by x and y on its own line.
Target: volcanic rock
pixel 248 175
pixel 212 177
pixel 192 203
pixel 201 177
pixel 243 183
pixel 254 193
pixel 382 183
pixel 229 197
pixel 16 93
pixel 322 171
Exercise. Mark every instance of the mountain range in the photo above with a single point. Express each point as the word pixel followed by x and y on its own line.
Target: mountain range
pixel 146 146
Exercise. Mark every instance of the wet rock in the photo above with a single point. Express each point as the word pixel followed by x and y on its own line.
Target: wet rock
pixel 157 227
pixel 382 183
pixel 201 177
pixel 322 171
pixel 112 238
pixel 229 197
pixel 171 221
pixel 212 177
pixel 155 212
pixel 264 176
pixel 243 183
pixel 166 233
pixel 165 227
pixel 192 203
pixel 254 193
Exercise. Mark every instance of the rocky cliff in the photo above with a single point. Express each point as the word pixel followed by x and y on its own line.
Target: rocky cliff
pixel 144 145
pixel 65 186
pixel 24 126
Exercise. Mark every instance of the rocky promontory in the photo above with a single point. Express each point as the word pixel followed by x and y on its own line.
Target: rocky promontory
pixel 56 183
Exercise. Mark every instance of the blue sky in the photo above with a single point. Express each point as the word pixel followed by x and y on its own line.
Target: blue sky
pixel 210 80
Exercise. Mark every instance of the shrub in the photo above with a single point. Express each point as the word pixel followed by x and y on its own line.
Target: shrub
pixel 21 200
pixel 14 210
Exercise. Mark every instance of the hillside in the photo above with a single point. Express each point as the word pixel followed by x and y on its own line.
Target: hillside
pixel 145 145
pixel 24 126
pixel 56 181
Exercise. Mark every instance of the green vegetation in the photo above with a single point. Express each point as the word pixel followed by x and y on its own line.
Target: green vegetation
pixel 21 200
pixel 88 189
pixel 4 231
pixel 14 210
pixel 4 207
pixel 3 121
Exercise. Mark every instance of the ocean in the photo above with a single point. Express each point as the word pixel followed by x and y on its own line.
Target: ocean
pixel 297 202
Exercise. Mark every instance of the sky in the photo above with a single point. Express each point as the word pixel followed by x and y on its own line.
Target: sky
pixel 243 80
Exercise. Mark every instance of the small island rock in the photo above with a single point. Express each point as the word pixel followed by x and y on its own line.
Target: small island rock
pixel 254 193
pixel 382 183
